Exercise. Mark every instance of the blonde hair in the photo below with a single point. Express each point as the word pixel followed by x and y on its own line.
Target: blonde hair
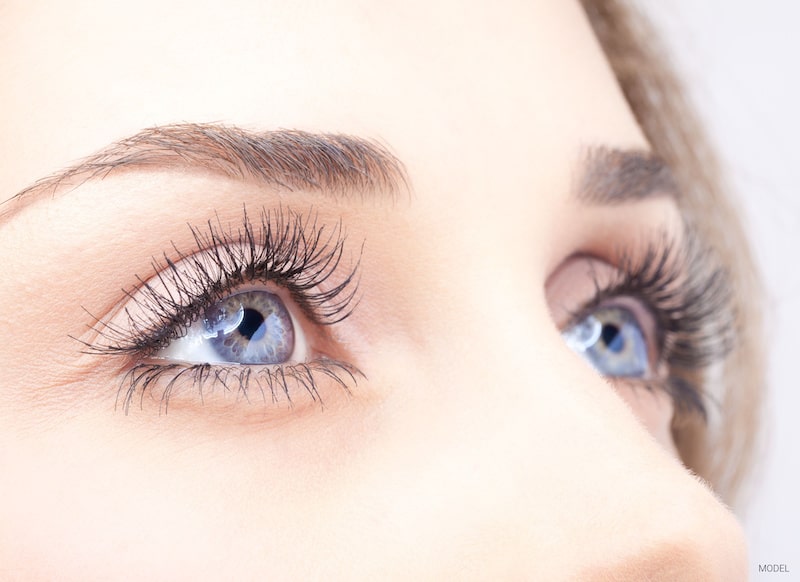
pixel 723 449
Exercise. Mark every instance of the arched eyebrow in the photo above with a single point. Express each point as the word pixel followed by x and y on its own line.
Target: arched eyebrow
pixel 332 163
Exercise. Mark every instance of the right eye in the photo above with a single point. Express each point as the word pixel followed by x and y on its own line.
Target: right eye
pixel 247 327
pixel 244 311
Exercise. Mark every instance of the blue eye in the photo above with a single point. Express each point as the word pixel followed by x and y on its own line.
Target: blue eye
pixel 612 341
pixel 249 327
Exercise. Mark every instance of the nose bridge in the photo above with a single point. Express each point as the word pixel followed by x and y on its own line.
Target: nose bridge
pixel 493 348
pixel 490 320
pixel 524 446
pixel 527 434
pixel 498 332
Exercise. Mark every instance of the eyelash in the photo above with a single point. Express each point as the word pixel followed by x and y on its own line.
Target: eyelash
pixel 289 249
pixel 689 295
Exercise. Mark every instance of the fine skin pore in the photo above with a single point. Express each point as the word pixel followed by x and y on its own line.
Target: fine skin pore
pixel 476 444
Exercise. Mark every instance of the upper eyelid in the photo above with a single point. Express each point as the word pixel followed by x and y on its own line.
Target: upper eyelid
pixel 603 294
pixel 308 251
pixel 684 286
pixel 688 283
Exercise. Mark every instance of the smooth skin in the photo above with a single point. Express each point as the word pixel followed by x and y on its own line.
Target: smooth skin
pixel 478 446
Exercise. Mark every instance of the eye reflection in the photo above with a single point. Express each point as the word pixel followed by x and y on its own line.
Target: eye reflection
pixel 612 341
pixel 250 327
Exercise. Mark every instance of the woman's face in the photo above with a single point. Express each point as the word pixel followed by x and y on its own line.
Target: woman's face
pixel 492 405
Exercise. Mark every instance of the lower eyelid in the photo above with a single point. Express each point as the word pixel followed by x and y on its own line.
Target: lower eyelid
pixel 655 409
pixel 166 386
pixel 575 283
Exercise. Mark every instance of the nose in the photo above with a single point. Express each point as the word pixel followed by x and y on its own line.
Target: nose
pixel 506 457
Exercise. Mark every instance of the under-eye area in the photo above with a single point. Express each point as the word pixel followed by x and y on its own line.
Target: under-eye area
pixel 656 318
pixel 247 312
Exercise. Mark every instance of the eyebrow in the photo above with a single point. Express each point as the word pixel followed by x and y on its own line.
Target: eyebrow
pixel 332 163
pixel 287 159
pixel 610 177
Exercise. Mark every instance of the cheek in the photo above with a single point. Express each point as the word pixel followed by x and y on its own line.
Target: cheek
pixel 480 452
pixel 465 458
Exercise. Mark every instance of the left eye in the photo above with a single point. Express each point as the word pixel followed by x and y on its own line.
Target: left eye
pixel 612 341
pixel 249 327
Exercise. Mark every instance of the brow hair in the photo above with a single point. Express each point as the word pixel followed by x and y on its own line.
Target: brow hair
pixel 611 177
pixel 286 159
pixel 335 164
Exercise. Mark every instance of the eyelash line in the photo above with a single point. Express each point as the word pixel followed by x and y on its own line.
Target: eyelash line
pixel 688 293
pixel 294 252
pixel 287 248
pixel 273 383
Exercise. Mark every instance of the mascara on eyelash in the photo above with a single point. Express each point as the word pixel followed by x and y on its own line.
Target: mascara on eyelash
pixel 292 250
pixel 688 293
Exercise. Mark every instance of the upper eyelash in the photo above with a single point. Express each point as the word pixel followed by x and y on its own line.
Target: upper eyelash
pixel 684 288
pixel 287 248
pixel 689 294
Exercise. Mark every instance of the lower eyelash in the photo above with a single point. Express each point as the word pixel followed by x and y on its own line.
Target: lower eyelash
pixel 287 248
pixel 687 397
pixel 270 384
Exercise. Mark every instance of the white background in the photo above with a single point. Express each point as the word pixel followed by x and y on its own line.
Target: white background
pixel 741 61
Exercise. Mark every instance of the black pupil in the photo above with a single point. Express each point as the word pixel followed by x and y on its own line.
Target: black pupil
pixel 251 322
pixel 612 338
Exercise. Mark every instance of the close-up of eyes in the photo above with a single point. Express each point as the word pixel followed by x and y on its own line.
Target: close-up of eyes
pixel 652 321
pixel 384 291
pixel 252 308
pixel 248 310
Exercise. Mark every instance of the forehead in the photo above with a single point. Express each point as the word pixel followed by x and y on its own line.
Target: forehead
pixel 470 84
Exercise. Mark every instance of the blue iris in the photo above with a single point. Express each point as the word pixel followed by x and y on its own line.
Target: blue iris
pixel 252 327
pixel 612 341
